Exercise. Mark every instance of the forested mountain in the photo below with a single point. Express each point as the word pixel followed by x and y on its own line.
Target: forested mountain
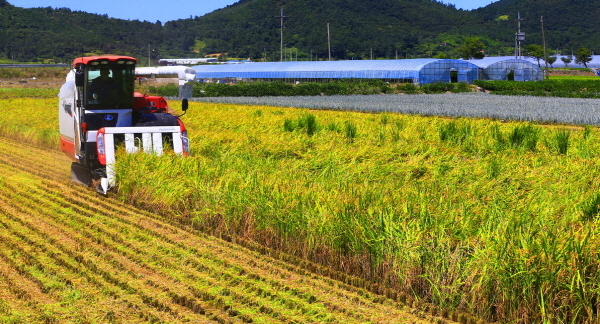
pixel 353 29
pixel 356 27
pixel 568 24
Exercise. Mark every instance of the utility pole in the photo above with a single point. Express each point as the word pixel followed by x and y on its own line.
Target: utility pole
pixel 329 41
pixel 281 45
pixel 546 74
pixel 519 37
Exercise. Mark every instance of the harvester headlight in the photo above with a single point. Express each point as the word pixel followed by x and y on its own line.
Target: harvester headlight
pixel 100 146
pixel 186 143
pixel 100 143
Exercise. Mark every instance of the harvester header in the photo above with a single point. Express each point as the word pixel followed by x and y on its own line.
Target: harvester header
pixel 99 110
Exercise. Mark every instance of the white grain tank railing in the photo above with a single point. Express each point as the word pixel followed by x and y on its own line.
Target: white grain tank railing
pixel 136 139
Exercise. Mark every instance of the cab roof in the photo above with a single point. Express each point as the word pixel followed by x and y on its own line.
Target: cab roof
pixel 102 58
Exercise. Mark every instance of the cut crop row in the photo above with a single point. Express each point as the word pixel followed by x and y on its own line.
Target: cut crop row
pixel 109 229
pixel 106 261
pixel 59 266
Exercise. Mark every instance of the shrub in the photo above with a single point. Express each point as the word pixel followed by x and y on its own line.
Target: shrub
pixel 437 87
pixel 408 88
pixel 461 87
pixel 568 88
pixel 169 90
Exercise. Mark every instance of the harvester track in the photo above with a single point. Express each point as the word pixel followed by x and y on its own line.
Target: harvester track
pixel 70 255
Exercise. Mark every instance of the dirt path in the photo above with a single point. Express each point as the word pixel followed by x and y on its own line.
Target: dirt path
pixel 70 255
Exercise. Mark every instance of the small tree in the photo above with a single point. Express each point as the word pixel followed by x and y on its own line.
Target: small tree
pixel 472 48
pixel 535 51
pixel 583 55
pixel 551 60
pixel 567 60
pixel 222 57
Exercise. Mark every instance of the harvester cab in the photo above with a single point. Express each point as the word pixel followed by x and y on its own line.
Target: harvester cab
pixel 99 110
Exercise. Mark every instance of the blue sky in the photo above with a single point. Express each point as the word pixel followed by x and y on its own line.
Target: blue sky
pixel 153 10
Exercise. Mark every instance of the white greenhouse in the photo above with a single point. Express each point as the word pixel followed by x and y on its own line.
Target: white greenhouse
pixel 507 69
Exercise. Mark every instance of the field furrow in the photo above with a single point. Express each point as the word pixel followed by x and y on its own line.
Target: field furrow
pixel 107 260
pixel 58 267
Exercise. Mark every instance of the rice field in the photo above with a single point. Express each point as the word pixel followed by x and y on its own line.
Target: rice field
pixel 490 217
pixel 495 217
pixel 476 105
pixel 71 256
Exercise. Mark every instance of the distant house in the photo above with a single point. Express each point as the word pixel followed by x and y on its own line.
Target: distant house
pixel 186 61
pixel 217 55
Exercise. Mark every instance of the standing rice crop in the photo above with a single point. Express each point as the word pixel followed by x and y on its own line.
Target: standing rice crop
pixel 561 139
pixel 31 120
pixel 472 215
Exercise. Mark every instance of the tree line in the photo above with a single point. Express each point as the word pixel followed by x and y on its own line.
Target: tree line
pixel 312 30
pixel 582 55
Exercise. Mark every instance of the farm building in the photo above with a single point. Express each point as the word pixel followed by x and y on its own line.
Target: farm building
pixel 504 68
pixel 418 71
pixel 186 61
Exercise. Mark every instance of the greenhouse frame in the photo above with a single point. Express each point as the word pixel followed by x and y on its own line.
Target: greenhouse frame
pixel 417 71
pixel 507 69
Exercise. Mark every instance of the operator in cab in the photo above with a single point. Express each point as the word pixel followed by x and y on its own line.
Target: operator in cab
pixel 105 89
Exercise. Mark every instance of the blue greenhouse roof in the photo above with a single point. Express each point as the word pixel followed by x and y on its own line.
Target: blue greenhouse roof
pixel 382 69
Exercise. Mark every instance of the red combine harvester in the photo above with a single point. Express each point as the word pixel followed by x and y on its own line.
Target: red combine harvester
pixel 99 110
